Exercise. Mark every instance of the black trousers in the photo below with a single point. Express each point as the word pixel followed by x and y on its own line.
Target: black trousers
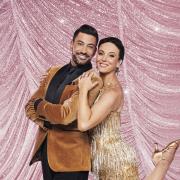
pixel 49 174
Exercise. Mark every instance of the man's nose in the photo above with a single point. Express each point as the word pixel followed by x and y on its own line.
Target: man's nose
pixel 84 50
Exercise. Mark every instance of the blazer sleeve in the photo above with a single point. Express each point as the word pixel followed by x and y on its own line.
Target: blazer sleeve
pixel 67 112
pixel 59 113
pixel 29 108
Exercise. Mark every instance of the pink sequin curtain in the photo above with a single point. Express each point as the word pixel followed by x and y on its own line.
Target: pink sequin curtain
pixel 35 34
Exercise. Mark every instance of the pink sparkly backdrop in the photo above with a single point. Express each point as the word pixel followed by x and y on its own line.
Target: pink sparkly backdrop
pixel 35 34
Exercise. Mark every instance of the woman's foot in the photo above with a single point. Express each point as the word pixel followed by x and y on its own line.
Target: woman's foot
pixel 166 154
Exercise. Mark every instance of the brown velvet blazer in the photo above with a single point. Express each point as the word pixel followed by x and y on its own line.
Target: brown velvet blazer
pixel 67 150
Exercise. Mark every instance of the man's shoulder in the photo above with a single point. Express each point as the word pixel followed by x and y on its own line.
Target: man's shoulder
pixel 54 69
pixel 57 67
pixel 95 75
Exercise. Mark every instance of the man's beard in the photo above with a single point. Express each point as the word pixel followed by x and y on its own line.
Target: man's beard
pixel 77 61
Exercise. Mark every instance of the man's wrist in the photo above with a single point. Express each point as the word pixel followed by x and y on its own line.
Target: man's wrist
pixel 47 125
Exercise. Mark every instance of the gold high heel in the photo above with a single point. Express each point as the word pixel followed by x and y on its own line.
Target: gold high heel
pixel 165 154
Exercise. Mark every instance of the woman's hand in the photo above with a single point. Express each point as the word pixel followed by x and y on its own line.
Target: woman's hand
pixel 85 83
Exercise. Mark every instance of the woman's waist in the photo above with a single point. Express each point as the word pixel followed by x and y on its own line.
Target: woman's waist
pixel 106 138
pixel 99 134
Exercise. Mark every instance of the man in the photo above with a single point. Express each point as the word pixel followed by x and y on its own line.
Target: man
pixel 63 150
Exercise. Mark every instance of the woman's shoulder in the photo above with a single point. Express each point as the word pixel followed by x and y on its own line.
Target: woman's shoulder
pixel 115 90
pixel 115 93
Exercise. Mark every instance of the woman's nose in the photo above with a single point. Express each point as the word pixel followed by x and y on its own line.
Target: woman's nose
pixel 103 58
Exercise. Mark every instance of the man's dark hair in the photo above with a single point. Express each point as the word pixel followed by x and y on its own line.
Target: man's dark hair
pixel 117 42
pixel 87 29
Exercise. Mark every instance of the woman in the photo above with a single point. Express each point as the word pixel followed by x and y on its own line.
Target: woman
pixel 111 157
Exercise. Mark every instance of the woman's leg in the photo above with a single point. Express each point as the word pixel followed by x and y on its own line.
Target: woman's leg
pixel 163 163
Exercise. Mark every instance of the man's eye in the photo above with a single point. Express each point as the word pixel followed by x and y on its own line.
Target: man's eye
pixel 100 53
pixel 91 47
pixel 112 56
pixel 79 43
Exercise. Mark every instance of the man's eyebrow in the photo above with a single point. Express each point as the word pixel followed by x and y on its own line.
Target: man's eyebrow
pixel 80 41
pixel 91 44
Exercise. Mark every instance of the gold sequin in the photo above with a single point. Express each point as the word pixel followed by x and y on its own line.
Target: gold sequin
pixel 112 158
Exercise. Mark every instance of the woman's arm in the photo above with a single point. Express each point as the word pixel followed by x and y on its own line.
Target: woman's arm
pixel 89 117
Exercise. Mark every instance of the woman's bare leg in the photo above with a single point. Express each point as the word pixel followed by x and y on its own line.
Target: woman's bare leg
pixel 162 165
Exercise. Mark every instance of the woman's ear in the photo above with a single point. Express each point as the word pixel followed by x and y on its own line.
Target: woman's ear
pixel 120 62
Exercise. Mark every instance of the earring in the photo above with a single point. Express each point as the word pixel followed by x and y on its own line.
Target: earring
pixel 117 70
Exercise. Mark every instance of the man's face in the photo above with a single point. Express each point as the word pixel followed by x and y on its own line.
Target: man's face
pixel 83 49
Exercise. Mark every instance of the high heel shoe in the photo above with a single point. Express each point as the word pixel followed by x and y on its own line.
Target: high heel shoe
pixel 166 154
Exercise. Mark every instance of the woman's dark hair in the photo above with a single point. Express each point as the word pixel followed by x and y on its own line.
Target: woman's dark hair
pixel 117 42
pixel 87 29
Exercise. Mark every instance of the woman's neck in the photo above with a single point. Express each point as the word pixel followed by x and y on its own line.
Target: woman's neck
pixel 109 79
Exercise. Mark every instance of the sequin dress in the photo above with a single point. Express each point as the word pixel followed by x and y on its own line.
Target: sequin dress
pixel 112 159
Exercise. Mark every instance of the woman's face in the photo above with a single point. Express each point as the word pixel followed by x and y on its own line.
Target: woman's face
pixel 107 58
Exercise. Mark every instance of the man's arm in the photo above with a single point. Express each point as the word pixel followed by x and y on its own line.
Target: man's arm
pixel 59 113
pixel 67 112
pixel 30 111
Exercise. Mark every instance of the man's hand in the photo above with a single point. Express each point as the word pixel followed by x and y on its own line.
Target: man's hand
pixel 31 108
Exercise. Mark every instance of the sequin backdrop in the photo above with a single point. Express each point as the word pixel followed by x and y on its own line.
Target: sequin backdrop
pixel 35 34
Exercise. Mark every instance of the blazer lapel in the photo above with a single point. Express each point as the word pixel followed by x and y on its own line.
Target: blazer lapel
pixel 50 75
pixel 68 91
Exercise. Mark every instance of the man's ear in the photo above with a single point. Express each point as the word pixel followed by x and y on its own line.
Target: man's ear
pixel 95 51
pixel 71 45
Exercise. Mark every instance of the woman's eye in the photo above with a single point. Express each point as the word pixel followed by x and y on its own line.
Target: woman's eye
pixel 111 56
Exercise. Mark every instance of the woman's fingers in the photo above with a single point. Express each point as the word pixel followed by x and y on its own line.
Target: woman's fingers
pixel 94 84
pixel 87 74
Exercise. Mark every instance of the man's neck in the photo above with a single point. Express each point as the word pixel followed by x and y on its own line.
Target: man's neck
pixel 73 63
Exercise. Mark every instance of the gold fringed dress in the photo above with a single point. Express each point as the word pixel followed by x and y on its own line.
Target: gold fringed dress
pixel 112 159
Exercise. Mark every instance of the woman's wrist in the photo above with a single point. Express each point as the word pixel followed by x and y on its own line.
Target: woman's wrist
pixel 83 91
